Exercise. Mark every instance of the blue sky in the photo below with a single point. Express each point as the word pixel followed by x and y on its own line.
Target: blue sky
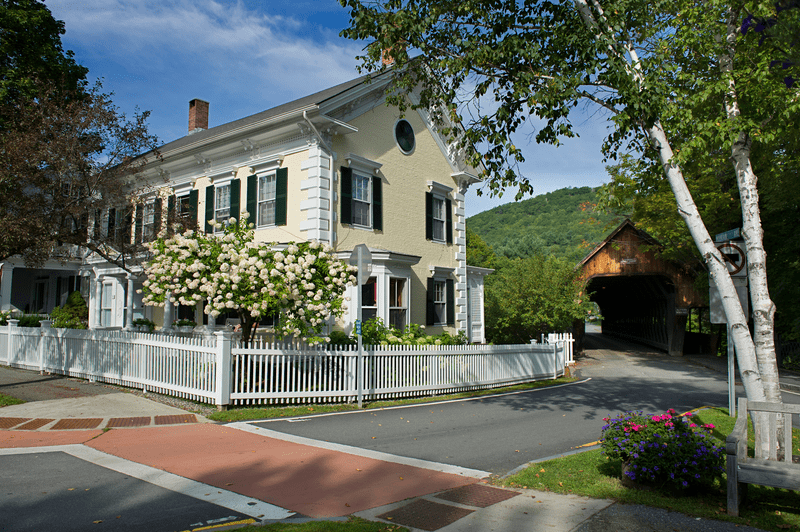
pixel 250 55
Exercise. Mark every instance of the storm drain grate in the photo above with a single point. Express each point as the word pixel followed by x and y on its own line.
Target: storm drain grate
pixel 176 419
pixel 476 495
pixel 69 424
pixel 128 422
pixel 35 424
pixel 425 515
pixel 8 422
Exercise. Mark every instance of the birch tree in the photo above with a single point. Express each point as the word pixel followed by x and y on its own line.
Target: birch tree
pixel 495 65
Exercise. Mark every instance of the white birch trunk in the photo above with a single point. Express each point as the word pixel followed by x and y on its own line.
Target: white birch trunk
pixel 718 271
pixel 763 307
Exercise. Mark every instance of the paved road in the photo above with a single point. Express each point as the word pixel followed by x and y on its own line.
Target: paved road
pixel 500 433
pixel 57 491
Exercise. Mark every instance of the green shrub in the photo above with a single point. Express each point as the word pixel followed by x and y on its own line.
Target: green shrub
pixel 375 332
pixel 73 315
pixel 340 338
pixel 4 317
pixel 664 450
pixel 31 320
pixel 144 322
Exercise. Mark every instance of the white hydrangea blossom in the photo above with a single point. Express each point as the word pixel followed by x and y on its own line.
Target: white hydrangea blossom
pixel 303 282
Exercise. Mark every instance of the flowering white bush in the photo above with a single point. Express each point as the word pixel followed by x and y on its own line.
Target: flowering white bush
pixel 304 284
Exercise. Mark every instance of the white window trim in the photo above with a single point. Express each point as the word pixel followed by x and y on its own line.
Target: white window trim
pixel 259 175
pixel 220 228
pixel 443 238
pixel 440 189
pixel 363 165
pixel 370 195
pixel 404 299
pixel 150 201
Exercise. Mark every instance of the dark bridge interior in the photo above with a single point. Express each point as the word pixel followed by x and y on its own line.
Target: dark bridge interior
pixel 639 308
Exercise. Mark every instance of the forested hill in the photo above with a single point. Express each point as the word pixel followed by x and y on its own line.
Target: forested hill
pixel 562 223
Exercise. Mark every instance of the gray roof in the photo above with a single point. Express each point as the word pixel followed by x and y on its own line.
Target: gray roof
pixel 315 99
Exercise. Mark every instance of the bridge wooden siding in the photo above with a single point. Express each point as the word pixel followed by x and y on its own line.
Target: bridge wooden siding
pixel 641 296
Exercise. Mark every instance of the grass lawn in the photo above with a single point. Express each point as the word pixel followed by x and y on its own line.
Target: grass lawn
pixel 7 400
pixel 249 413
pixel 593 475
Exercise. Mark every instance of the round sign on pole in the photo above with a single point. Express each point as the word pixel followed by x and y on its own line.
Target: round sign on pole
pixel 735 258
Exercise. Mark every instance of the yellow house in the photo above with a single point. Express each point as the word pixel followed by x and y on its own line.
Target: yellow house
pixel 339 167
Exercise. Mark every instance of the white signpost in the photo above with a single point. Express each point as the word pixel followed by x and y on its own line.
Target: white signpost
pixel 733 251
pixel 360 257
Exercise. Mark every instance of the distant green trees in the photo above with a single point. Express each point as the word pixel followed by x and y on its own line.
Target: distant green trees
pixel 564 223
pixel 528 295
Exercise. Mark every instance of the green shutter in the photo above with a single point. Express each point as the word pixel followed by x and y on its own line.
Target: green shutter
pixel 209 207
pixel 346 199
pixel 111 223
pixel 236 198
pixel 451 302
pixel 252 199
pixel 428 216
pixel 157 215
pixel 431 308
pixel 139 223
pixel 377 203
pixel 170 215
pixel 449 220
pixel 194 199
pixel 125 238
pixel 281 195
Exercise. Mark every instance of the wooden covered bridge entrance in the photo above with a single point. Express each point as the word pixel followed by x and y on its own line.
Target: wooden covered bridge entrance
pixel 641 297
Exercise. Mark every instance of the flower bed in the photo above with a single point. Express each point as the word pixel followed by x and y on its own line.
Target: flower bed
pixel 667 450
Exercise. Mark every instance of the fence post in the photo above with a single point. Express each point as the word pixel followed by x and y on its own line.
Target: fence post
pixel 12 326
pixel 224 343
pixel 46 326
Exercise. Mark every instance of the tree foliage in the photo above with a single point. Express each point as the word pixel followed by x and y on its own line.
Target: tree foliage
pixel 677 78
pixel 31 52
pixel 526 298
pixel 66 152
pixel 62 163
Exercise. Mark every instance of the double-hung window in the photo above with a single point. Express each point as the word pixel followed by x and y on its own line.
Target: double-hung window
pixel 441 301
pixel 397 303
pixel 369 299
pixel 149 221
pixel 222 205
pixel 438 215
pixel 361 195
pixel 439 220
pixel 267 193
pixel 267 197
pixel 361 201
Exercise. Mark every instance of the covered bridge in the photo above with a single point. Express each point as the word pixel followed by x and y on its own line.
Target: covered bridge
pixel 641 297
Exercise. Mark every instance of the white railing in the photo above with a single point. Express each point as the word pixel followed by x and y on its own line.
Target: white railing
pixel 265 373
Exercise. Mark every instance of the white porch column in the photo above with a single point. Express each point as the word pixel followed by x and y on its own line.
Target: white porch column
pixel 212 321
pixel 96 304
pixel 7 272
pixel 129 304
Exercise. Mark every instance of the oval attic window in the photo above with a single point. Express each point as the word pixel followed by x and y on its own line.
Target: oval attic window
pixel 404 136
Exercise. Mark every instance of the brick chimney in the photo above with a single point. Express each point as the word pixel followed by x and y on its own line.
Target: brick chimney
pixel 198 115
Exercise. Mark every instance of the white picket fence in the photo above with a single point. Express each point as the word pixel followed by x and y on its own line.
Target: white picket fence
pixel 189 366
